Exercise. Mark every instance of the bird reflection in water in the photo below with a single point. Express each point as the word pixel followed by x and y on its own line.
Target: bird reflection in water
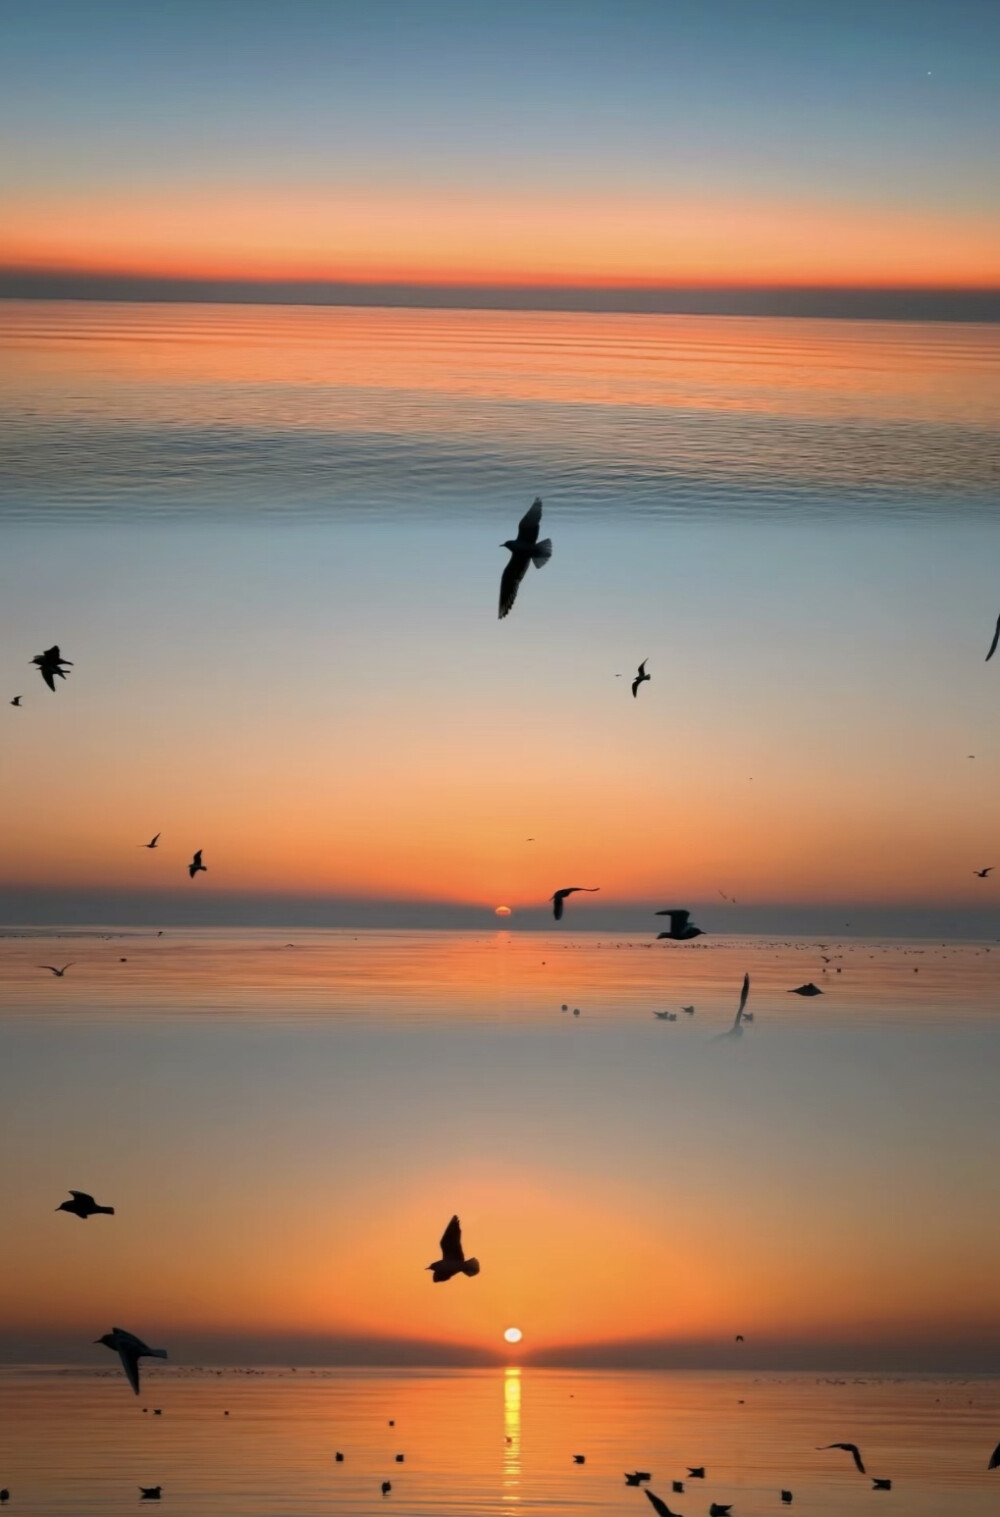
pixel 511 1432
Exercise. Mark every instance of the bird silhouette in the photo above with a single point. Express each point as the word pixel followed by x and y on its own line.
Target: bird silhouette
pixel 677 1487
pixel 689 1010
pixel 524 549
pixel 698 1473
pixel 660 1506
pixel 4 1496
pixel 984 874
pixel 640 678
pixel 881 1485
pixel 150 1492
pixel 849 1448
pixel 56 971
pixel 681 928
pixel 400 1458
pixel 736 1031
pixel 786 1497
pixel 130 1350
pixel 637 1477
pixel 806 990
pixel 560 895
pixel 718 1510
pixel 665 1016
pixel 152 842
pixel 386 1487
pixel 994 1459
pixel 85 1206
pixel 452 1261
pixel 579 1458
pixel 338 1457
pixel 50 664
pixel 196 866
pixel 16 701
pixel 995 642
pixel 739 1337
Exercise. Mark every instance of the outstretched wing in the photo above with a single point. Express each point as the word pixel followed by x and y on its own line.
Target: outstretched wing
pixel 81 1195
pixel 451 1242
pixel 197 858
pixel 46 673
pixel 557 904
pixel 531 521
pixel 743 997
pixel 994 1459
pixel 509 581
pixel 130 1364
pixel 678 919
pixel 657 1505
pixel 154 841
pixel 996 641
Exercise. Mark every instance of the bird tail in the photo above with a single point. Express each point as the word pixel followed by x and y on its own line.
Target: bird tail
pixel 157 1353
pixel 542 552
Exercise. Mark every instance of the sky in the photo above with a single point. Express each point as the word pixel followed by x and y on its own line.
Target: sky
pixel 626 144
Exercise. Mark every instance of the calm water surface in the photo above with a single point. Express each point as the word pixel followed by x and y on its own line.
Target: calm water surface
pixel 488 1442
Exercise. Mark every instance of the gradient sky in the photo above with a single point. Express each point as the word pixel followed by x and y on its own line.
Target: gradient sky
pixel 638 141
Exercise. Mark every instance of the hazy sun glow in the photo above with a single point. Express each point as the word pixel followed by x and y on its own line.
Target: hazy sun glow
pixel 513 1335
pixel 502 911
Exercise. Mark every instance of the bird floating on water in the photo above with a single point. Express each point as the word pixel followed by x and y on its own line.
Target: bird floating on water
pixel 698 1473
pixel 84 1206
pixel 55 970
pixel 579 1458
pixel 786 1497
pixel 150 1492
pixel 637 1477
pixel 849 1448
pixel 559 897
pixel 152 842
pixel 130 1350
pixel 665 1016
pixel 386 1487
pixel 678 1487
pixel 881 1485
pixel 682 928
pixel 452 1261
pixel 995 642
pixel 640 678
pixel 524 549
pixel 807 990
pixel 196 866
pixel 51 664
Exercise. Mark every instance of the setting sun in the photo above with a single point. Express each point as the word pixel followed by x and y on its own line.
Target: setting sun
pixel 501 911
pixel 513 1335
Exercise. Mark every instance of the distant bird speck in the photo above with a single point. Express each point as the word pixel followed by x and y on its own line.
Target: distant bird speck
pixel 984 874
pixel 717 1509
pixel 452 1261
pixel 786 1497
pixel 150 1492
pixel 559 897
pixel 16 701
pixel 739 1337
pixel 698 1473
pixel 196 866
pixel 54 970
pixel 386 1487
pixel 681 927
pixel 579 1458
pixel 881 1485
pixel 640 678
pixel 84 1206
pixel 524 549
pixel 849 1448
pixel 152 842
pixel 807 990
pixel 51 665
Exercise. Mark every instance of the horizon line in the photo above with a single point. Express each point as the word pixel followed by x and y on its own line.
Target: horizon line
pixel 859 302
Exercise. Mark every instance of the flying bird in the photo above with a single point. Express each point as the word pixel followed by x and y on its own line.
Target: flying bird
pixel 786 1497
pixel 130 1350
pixel 152 842
pixel 560 895
pixel 678 1487
pixel 984 874
pixel 51 663
pixel 16 701
pixel 57 972
pixel 849 1448
pixel 994 1459
pixel 637 1477
pixel 681 928
pixel 739 1337
pixel 698 1473
pixel 807 990
pixel 196 866
pixel 996 640
pixel 736 1031
pixel 640 678
pixel 524 549
pixel 85 1206
pixel 660 1506
pixel 579 1458
pixel 452 1260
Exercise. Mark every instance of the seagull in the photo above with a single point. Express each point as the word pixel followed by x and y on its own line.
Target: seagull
pixel 579 1458
pixel 681 930
pixel 637 1477
pixel 698 1473
pixel 152 842
pixel 881 1485
pixel 678 1487
pixel 560 896
pixel 386 1487
pixel 16 701
pixel 807 990
pixel 849 1448
pixel 524 549
pixel 452 1260
pixel 996 640
pixel 994 1459
pixel 736 1031
pixel 640 678
pixel 786 1497
pixel 150 1492
pixel 84 1206
pixel 196 866
pixel 718 1510
pixel 130 1350
pixel 338 1457
pixel 739 1337
pixel 57 972
pixel 665 1016
pixel 400 1458
pixel 984 874
pixel 689 1010
pixel 660 1506
pixel 50 663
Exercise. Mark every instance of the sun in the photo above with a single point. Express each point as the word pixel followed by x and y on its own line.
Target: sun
pixel 513 1335
pixel 501 911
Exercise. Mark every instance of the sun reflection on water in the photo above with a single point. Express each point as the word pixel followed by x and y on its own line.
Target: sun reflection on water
pixel 512 1433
